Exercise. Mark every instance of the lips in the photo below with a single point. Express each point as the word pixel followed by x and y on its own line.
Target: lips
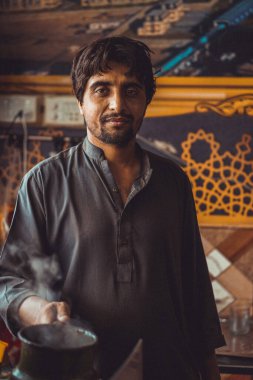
pixel 116 120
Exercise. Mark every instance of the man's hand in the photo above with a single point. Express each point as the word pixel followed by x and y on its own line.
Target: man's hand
pixel 35 310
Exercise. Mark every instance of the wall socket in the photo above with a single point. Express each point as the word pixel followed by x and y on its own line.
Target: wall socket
pixel 11 105
pixel 62 111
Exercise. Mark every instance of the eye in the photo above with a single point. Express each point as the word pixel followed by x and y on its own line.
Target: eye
pixel 132 91
pixel 101 91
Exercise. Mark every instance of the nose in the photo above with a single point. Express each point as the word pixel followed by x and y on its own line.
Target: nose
pixel 117 102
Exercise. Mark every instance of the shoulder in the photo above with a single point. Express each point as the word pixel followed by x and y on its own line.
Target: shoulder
pixel 56 162
pixel 53 166
pixel 167 168
pixel 170 177
pixel 171 183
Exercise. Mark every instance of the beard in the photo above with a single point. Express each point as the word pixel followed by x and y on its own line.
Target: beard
pixel 118 135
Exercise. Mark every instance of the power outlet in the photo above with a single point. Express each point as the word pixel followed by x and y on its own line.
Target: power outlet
pixel 11 105
pixel 62 111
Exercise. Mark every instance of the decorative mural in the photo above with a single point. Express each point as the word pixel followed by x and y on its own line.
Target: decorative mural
pixel 217 154
pixel 242 104
pixel 223 183
pixel 228 178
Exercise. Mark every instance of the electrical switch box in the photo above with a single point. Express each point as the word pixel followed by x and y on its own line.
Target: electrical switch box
pixel 61 110
pixel 12 107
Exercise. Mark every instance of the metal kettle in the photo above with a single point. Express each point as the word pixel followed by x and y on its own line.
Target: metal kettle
pixel 57 351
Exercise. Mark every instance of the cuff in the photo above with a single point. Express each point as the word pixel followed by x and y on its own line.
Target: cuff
pixel 12 320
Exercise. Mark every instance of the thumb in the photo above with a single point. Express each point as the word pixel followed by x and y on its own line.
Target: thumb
pixel 63 311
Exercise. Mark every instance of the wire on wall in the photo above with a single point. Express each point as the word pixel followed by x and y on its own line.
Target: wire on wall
pixel 25 141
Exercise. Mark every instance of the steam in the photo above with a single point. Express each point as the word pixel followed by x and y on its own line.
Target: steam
pixel 42 272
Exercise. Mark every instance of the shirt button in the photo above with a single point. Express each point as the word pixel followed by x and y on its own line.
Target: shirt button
pixel 114 189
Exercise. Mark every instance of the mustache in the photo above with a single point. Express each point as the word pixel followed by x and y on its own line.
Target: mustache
pixel 106 118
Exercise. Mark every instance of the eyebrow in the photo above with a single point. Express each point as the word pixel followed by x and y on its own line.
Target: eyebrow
pixel 108 83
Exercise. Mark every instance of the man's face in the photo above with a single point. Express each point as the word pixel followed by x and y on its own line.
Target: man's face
pixel 114 104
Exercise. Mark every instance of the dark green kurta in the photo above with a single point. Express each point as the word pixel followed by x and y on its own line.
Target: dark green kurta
pixel 133 271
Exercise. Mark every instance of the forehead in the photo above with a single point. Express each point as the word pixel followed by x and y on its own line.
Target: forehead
pixel 116 73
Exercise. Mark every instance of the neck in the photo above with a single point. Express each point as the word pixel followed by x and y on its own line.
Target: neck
pixel 124 163
pixel 116 155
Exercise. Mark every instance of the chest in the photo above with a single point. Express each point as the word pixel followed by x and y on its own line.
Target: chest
pixel 124 185
pixel 89 212
pixel 124 178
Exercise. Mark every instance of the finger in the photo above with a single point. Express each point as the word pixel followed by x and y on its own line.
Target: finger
pixel 48 314
pixel 63 312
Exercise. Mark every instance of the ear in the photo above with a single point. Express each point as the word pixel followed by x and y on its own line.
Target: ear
pixel 80 107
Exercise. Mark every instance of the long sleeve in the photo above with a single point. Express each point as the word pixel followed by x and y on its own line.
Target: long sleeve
pixel 200 307
pixel 25 245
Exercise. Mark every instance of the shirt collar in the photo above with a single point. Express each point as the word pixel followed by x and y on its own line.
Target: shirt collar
pixel 97 153
pixel 93 151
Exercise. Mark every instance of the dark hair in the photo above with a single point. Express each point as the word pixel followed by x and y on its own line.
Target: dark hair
pixel 94 58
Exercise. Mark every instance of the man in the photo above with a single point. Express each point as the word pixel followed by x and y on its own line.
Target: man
pixel 122 223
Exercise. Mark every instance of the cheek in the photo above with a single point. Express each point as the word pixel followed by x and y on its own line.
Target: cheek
pixel 138 107
pixel 90 112
pixel 139 112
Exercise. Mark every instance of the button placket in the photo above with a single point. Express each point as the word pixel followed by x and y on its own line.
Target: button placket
pixel 112 187
pixel 124 254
